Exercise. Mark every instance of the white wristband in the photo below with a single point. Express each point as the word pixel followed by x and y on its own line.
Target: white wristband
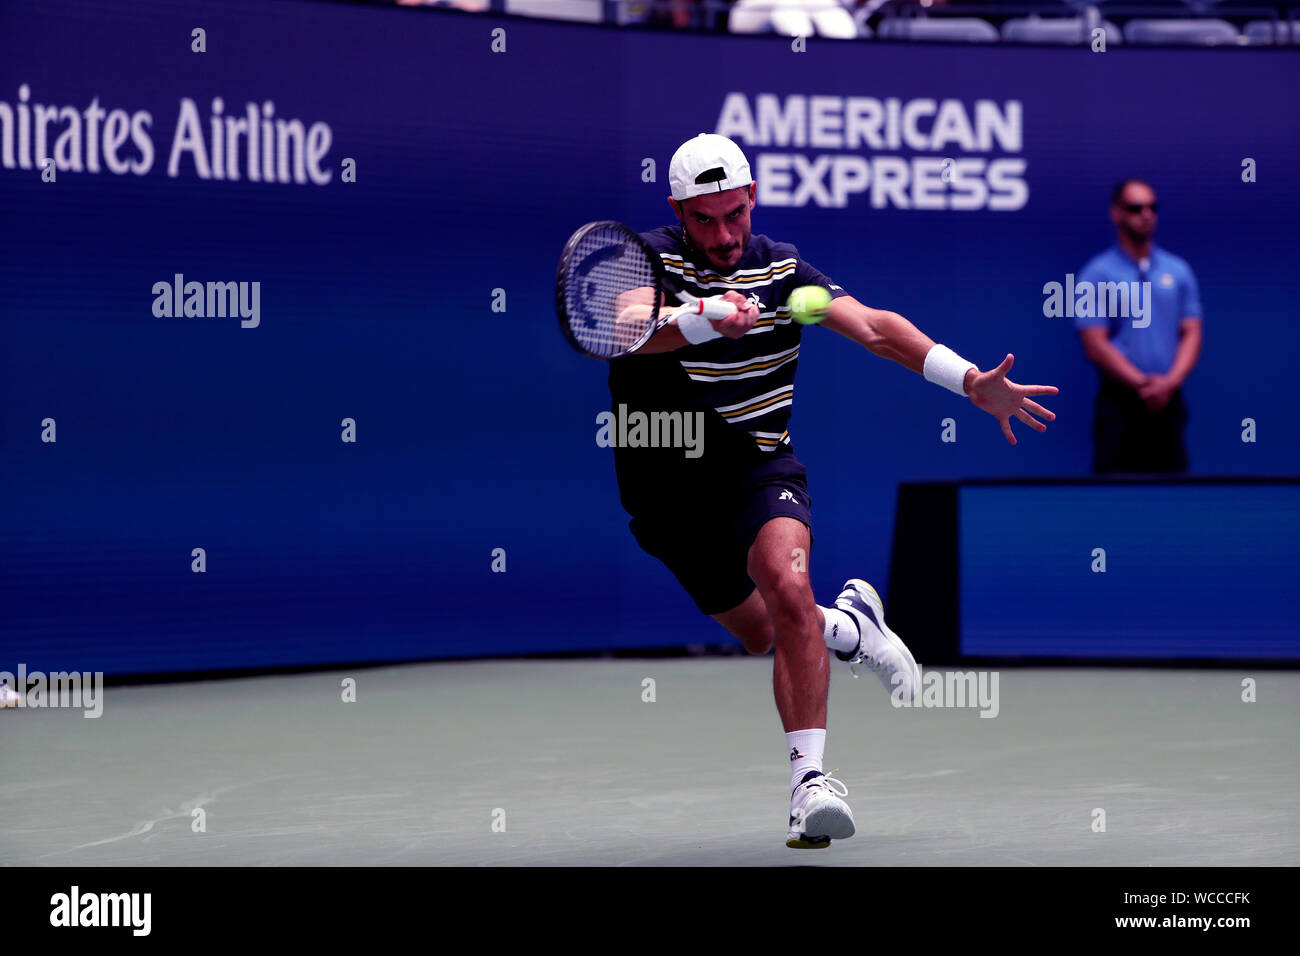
pixel 696 328
pixel 945 367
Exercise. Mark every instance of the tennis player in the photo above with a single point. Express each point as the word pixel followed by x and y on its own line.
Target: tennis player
pixel 734 524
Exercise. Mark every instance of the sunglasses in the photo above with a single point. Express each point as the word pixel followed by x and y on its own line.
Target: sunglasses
pixel 1137 207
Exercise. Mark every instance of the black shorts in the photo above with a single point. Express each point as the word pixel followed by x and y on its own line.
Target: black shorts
pixel 706 544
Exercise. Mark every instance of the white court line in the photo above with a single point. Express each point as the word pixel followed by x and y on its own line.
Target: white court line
pixel 187 809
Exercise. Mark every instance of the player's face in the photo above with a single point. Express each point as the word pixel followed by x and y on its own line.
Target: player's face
pixel 1135 214
pixel 718 224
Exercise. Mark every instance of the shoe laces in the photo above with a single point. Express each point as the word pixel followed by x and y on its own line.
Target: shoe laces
pixel 830 783
pixel 874 664
pixel 869 661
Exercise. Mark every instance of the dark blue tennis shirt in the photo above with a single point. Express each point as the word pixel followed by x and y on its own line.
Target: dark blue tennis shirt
pixel 748 381
pixel 745 386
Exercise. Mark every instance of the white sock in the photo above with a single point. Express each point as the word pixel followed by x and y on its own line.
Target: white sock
pixel 804 748
pixel 841 631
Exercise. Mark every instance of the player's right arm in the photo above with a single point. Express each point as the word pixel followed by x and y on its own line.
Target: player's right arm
pixel 634 306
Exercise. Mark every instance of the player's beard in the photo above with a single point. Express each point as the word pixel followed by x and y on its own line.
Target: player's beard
pixel 743 244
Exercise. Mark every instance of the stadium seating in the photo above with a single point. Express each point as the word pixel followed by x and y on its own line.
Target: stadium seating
pixel 1063 22
pixel 1272 32
pixel 824 18
pixel 968 29
pixel 583 11
pixel 1185 32
pixel 1036 29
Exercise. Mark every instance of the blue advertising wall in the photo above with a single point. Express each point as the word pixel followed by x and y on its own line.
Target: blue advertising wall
pixel 1142 570
pixel 475 428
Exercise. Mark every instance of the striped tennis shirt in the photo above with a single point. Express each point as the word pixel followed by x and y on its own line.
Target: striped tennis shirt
pixel 748 381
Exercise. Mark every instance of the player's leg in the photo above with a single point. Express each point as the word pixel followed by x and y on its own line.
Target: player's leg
pixel 800 680
pixel 801 675
pixel 853 627
pixel 750 623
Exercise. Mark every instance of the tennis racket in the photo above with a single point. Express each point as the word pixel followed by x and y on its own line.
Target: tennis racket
pixel 609 290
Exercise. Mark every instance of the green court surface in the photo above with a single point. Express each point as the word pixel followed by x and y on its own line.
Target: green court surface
pixel 562 762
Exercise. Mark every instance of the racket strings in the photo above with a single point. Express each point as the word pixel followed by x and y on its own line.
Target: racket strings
pixel 607 267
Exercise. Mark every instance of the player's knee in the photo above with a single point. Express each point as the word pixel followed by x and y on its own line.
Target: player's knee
pixel 790 604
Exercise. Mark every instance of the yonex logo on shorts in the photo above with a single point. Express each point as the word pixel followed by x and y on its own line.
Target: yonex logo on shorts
pixel 788 495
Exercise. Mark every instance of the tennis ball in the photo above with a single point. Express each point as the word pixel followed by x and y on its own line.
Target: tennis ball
pixel 808 304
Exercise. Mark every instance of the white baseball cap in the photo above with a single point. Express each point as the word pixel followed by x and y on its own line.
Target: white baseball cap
pixel 709 163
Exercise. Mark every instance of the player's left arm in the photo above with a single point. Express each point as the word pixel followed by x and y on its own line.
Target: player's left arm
pixel 891 336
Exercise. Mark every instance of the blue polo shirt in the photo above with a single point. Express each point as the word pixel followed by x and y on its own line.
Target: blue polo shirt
pixel 1174 297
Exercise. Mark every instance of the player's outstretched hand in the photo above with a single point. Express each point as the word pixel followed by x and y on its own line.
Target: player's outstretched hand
pixel 740 321
pixel 1002 398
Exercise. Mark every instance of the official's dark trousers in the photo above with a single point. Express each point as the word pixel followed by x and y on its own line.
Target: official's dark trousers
pixel 1129 437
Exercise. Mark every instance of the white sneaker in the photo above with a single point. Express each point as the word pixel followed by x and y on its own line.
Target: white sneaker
pixel 817 814
pixel 879 649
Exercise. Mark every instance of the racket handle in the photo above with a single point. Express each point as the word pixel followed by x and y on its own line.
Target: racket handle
pixel 714 307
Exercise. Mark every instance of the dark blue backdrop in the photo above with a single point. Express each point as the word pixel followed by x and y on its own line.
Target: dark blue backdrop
pixel 1150 570
pixel 476 429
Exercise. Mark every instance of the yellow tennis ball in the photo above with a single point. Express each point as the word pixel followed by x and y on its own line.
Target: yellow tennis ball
pixel 808 304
